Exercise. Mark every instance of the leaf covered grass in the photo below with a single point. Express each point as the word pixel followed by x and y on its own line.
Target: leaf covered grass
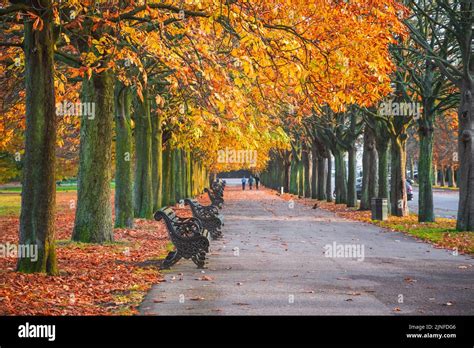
pixel 108 279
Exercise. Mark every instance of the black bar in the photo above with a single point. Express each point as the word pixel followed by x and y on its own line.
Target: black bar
pixel 241 330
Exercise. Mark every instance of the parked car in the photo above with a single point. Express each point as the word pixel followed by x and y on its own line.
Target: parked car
pixel 409 189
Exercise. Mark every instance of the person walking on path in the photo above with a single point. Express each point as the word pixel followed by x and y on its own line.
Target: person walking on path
pixel 250 181
pixel 244 180
pixel 257 181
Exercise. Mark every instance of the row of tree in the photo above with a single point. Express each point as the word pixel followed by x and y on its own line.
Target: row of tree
pixel 434 70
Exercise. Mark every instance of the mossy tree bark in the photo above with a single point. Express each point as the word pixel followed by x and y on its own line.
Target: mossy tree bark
pixel 143 191
pixel 398 198
pixel 38 196
pixel 340 172
pixel 123 157
pixel 167 171
pixel 93 222
pixel 369 171
pixel 425 163
pixel 157 158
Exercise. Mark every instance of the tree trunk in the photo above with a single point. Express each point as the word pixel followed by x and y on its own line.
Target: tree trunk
pixel 351 180
pixel 442 176
pixel 341 182
pixel 398 197
pixel 306 164
pixel 293 176
pixel 322 177
pixel 166 176
pixel 369 170
pixel 329 180
pixel 465 221
pixel 123 157
pixel 143 193
pixel 38 197
pixel 157 158
pixel 425 165
pixel 93 222
pixel 314 170
pixel 450 174
pixel 189 190
pixel 382 152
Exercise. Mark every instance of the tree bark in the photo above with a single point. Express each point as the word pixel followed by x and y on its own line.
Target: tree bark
pixel 167 164
pixel 123 157
pixel 369 170
pixel 329 180
pixel 351 180
pixel 322 177
pixel 38 197
pixel 398 197
pixel 306 164
pixel 465 221
pixel 442 176
pixel 93 222
pixel 382 152
pixel 314 170
pixel 450 174
pixel 143 191
pixel 341 182
pixel 157 158
pixel 425 165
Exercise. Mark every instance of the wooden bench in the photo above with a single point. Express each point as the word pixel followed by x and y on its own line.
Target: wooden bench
pixel 215 198
pixel 208 215
pixel 189 237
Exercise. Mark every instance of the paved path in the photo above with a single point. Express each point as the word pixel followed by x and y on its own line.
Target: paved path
pixel 272 262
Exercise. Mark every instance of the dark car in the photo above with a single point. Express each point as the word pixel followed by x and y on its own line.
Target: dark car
pixel 408 187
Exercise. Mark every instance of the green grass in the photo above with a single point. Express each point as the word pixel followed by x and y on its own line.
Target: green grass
pixel 65 188
pixel 10 204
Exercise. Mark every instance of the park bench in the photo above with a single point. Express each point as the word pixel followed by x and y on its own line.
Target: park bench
pixel 208 215
pixel 189 237
pixel 218 188
pixel 215 198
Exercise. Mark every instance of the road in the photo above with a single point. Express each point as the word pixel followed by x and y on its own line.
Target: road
pixel 272 261
pixel 445 202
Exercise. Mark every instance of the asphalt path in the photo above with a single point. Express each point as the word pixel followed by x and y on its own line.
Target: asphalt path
pixel 274 259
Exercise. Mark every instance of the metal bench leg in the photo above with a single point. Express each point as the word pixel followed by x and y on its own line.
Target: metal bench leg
pixel 171 259
pixel 200 259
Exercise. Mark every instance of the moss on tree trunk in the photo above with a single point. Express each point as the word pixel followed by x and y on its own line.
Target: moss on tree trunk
pixel 38 196
pixel 425 165
pixel 143 191
pixel 157 158
pixel 123 157
pixel 93 222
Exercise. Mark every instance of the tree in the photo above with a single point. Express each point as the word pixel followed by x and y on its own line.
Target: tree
pixel 457 18
pixel 38 182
